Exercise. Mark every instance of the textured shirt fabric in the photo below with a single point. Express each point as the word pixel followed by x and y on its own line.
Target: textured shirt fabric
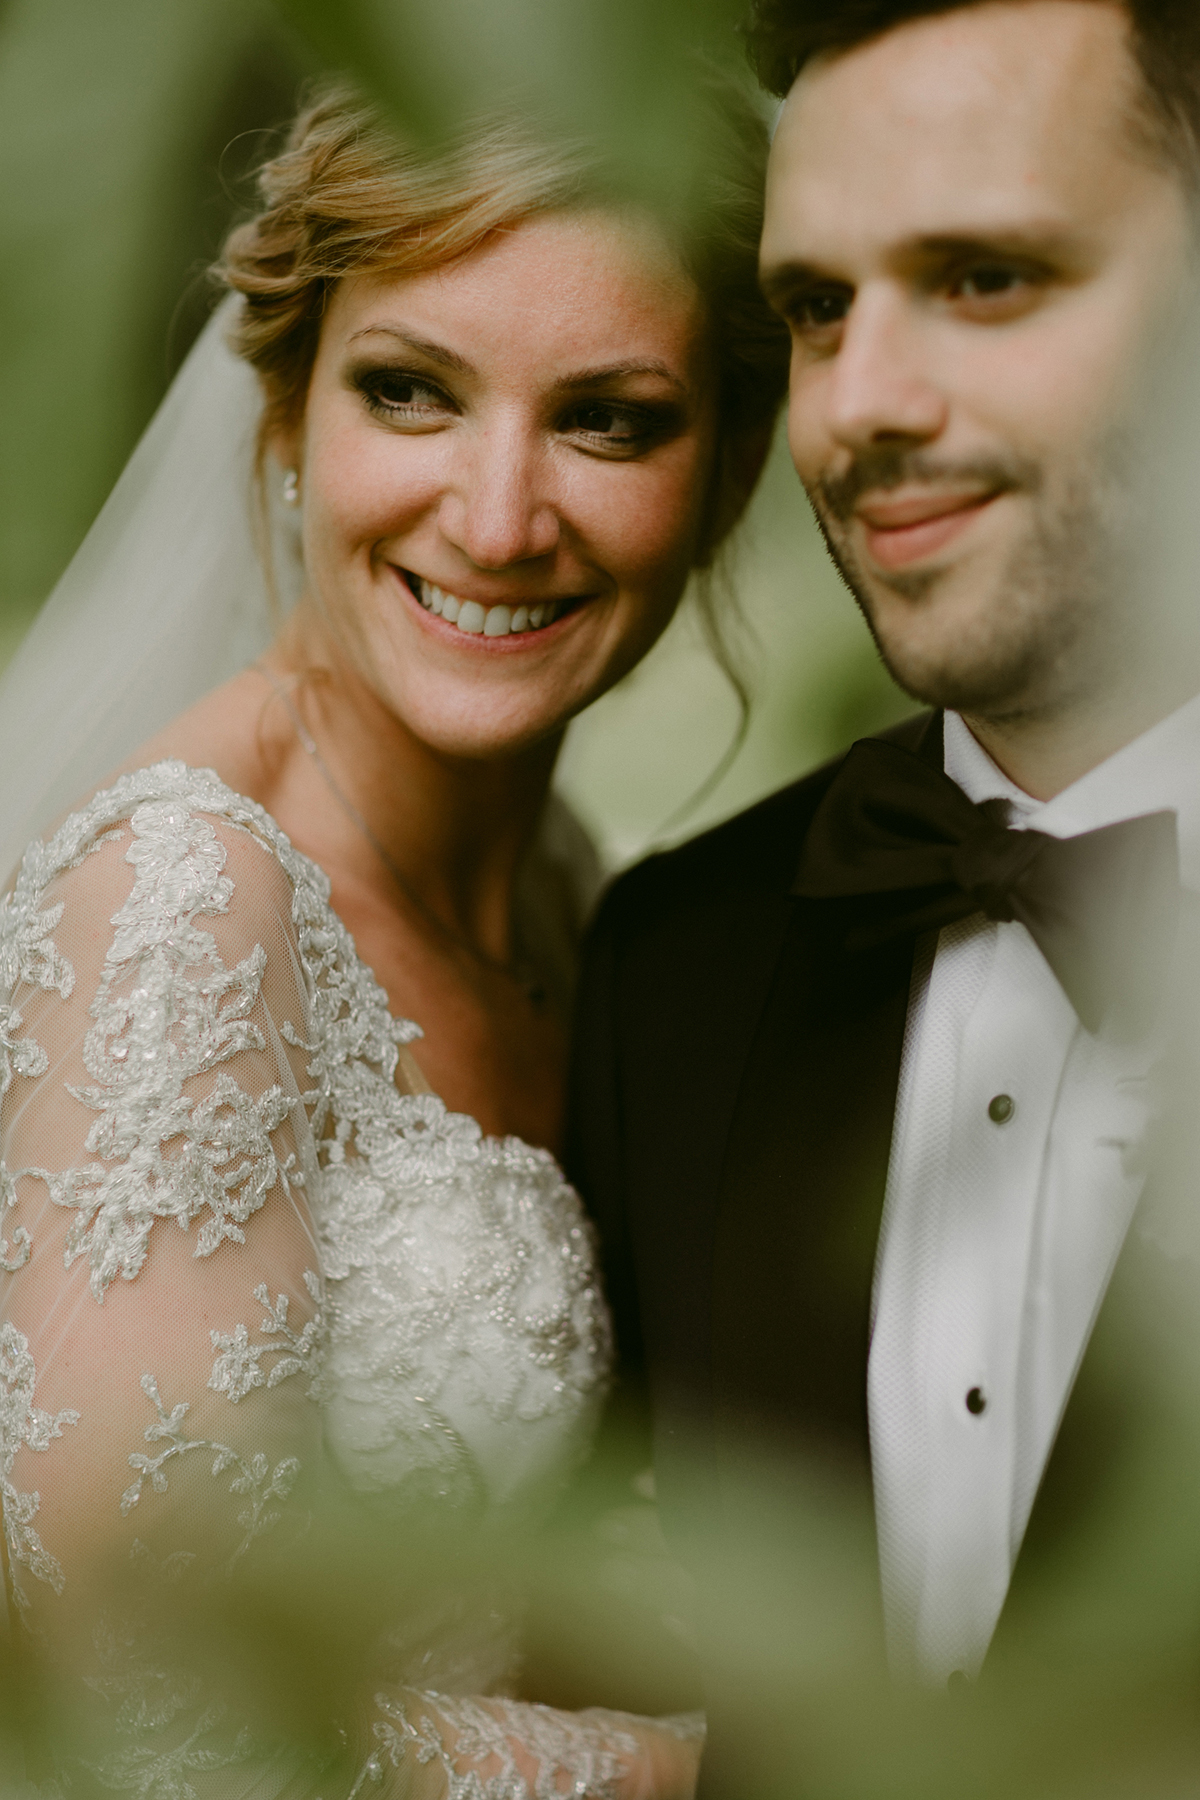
pixel 1014 1174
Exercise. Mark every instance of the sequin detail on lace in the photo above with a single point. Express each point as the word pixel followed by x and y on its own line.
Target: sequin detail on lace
pixel 239 1365
pixel 28 954
pixel 149 1702
pixel 22 1244
pixel 254 1479
pixel 457 1286
pixel 478 1742
pixel 167 1011
pixel 22 1424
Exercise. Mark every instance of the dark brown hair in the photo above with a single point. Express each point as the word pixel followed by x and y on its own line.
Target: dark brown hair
pixel 782 35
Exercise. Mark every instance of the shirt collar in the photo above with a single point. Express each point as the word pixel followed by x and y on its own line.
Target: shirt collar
pixel 1157 772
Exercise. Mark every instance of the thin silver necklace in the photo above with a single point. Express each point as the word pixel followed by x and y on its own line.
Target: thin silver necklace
pixel 519 971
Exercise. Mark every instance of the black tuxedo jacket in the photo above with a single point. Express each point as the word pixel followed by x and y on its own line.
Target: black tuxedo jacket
pixel 734 1083
pixel 733 1093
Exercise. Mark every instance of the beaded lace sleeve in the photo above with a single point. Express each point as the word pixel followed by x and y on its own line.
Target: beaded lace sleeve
pixel 162 1337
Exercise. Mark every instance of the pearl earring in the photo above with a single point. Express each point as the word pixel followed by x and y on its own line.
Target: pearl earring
pixel 291 488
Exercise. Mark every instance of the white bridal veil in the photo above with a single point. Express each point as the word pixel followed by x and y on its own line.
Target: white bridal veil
pixel 164 599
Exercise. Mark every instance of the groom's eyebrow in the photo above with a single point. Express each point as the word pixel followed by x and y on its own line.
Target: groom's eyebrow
pixel 1049 242
pixel 781 280
pixel 438 353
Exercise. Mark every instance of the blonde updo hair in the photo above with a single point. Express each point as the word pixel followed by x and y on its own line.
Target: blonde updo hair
pixel 346 197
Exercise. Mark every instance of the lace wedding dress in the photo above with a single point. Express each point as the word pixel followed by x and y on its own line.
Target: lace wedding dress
pixel 247 1275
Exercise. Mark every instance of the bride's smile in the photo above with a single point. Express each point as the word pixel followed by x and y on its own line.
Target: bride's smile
pixel 504 416
pixel 505 467
pixel 490 620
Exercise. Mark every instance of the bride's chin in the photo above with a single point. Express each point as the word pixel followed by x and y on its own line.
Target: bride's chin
pixel 480 747
pixel 461 720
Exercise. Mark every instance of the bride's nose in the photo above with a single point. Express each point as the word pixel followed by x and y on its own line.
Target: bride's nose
pixel 498 508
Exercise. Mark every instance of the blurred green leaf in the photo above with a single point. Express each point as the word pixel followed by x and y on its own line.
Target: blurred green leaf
pixel 112 123
pixel 615 69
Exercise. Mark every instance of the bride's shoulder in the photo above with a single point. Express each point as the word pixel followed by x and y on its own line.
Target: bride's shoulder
pixel 160 849
pixel 168 894
pixel 170 863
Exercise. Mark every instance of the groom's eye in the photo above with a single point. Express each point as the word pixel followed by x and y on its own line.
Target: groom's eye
pixel 996 288
pixel 819 309
pixel 988 279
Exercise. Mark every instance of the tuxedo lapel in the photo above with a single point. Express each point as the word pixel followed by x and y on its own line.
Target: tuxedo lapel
pixel 804 1176
pixel 710 970
pixel 734 1089
pixel 802 1188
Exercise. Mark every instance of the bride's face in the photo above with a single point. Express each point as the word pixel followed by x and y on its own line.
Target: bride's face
pixel 506 471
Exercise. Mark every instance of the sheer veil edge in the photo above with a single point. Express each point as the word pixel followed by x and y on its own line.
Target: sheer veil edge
pixel 165 598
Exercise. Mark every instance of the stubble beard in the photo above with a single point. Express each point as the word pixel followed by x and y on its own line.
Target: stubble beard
pixel 1045 636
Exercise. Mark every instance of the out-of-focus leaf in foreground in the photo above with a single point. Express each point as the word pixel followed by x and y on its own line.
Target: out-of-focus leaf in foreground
pixel 616 70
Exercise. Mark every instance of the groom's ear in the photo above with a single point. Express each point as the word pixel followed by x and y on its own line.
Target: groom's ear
pixel 740 462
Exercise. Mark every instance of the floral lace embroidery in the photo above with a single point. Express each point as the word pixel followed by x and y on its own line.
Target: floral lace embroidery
pixel 255 1479
pixel 587 1753
pixel 478 1291
pixel 22 1243
pixel 167 1010
pixel 24 1424
pixel 146 1676
pixel 151 1773
pixel 405 1137
pixel 459 1269
pixel 235 1371
pixel 239 1368
pixel 27 954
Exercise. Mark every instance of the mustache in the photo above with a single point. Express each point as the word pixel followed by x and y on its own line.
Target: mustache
pixel 885 466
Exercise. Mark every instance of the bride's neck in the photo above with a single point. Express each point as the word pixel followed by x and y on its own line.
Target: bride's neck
pixel 395 823
pixel 374 799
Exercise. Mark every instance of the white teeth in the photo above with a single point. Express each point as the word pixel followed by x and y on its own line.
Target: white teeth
pixel 486 621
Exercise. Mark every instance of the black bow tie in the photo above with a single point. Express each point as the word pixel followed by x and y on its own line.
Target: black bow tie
pixel 1102 908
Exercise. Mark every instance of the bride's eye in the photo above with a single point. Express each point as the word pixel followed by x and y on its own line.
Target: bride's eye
pixel 401 396
pixel 605 425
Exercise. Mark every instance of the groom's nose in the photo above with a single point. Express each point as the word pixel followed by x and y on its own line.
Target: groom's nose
pixel 879 387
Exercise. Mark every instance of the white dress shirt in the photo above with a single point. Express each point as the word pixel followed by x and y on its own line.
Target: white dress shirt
pixel 1012 1181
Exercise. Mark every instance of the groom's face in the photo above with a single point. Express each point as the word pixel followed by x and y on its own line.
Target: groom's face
pixel 976 246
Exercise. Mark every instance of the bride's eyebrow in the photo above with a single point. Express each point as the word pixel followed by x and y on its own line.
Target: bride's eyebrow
pixel 580 378
pixel 616 371
pixel 438 353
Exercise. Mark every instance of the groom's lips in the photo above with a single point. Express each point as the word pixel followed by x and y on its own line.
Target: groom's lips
pixel 904 528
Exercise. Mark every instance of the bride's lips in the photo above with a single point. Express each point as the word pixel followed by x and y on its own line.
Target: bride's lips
pixel 494 626
pixel 908 528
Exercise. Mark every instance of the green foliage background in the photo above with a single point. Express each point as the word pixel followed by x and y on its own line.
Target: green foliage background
pixel 128 131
